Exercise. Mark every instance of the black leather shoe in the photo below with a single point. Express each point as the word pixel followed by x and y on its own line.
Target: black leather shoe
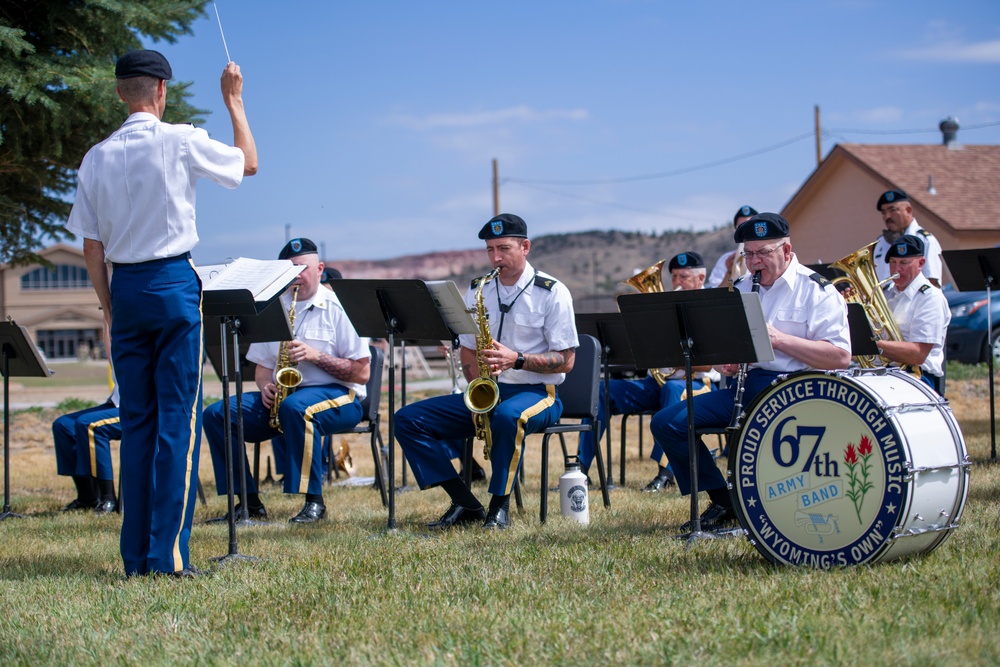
pixel 716 517
pixel 259 512
pixel 190 572
pixel 78 505
pixel 499 520
pixel 456 515
pixel 105 507
pixel 658 484
pixel 310 513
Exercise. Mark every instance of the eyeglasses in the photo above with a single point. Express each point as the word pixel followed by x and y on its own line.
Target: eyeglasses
pixel 762 254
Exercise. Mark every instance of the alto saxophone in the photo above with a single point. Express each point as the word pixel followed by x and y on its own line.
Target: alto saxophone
pixel 287 376
pixel 483 394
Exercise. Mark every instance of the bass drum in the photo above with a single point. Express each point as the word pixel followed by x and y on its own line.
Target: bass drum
pixel 848 467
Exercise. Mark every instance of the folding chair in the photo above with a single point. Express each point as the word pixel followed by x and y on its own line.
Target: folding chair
pixel 579 394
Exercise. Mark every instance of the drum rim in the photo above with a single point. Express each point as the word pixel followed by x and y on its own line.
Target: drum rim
pixel 758 542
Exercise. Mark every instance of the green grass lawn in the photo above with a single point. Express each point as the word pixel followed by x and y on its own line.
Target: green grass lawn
pixel 619 591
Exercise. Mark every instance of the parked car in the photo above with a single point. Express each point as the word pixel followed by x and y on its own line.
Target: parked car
pixel 967 340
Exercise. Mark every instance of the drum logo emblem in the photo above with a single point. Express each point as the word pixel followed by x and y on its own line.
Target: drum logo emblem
pixel 819 473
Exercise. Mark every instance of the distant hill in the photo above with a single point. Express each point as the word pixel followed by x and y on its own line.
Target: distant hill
pixel 591 264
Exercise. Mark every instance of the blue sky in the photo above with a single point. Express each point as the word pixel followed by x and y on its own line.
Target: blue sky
pixel 376 122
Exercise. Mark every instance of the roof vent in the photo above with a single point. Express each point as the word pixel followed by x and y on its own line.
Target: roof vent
pixel 949 131
pixel 931 190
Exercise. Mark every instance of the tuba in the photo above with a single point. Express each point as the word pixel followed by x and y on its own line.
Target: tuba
pixel 862 286
pixel 648 281
pixel 483 393
pixel 287 376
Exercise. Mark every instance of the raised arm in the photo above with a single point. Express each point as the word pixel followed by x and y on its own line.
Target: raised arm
pixel 232 95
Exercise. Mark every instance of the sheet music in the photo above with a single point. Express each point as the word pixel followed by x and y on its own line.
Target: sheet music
pixel 451 306
pixel 263 278
pixel 758 327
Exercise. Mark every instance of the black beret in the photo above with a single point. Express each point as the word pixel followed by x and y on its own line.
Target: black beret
pixel 505 224
pixel 761 227
pixel 686 260
pixel 890 197
pixel 297 247
pixel 330 274
pixel 745 212
pixel 143 63
pixel 906 245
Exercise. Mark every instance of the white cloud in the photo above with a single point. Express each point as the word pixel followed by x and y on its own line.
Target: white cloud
pixel 518 114
pixel 955 51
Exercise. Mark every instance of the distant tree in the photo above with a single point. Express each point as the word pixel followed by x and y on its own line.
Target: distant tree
pixel 57 99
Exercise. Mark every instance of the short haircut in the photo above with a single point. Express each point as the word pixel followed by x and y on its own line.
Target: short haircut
pixel 138 89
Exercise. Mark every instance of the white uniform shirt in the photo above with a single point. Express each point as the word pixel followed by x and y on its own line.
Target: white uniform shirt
pixel 136 189
pixel 540 320
pixel 719 273
pixel 322 324
pixel 921 311
pixel 798 305
pixel 932 251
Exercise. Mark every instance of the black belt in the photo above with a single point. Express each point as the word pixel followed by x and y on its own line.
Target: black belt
pixel 153 262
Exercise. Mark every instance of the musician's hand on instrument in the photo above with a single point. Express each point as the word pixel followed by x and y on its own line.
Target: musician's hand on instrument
pixel 299 352
pixel 499 358
pixel 267 394
pixel 729 369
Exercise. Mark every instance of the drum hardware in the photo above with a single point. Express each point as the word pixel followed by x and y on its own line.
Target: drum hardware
pixel 911 407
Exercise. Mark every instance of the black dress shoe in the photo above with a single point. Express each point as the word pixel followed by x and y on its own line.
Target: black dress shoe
pixel 105 507
pixel 310 513
pixel 190 572
pixel 259 512
pixel 78 505
pixel 456 515
pixel 498 520
pixel 716 517
pixel 658 484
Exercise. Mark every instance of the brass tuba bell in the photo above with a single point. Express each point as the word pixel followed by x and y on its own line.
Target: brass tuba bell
pixel 647 281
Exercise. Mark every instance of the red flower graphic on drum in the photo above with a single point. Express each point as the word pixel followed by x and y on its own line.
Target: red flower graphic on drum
pixel 858 472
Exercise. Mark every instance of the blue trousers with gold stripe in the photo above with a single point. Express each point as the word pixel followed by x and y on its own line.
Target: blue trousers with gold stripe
pixel 632 396
pixel 306 415
pixel 156 343
pixel 83 441
pixel 423 429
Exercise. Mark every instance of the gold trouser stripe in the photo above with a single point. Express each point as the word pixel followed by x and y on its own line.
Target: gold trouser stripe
pixel 705 388
pixel 195 407
pixel 90 440
pixel 307 444
pixel 522 421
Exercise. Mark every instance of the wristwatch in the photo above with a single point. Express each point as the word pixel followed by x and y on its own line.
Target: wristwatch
pixel 519 364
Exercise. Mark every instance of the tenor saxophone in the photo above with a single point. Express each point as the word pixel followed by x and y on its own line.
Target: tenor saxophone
pixel 483 394
pixel 287 376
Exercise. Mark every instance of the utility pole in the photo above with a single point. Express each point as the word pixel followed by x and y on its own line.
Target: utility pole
pixel 819 141
pixel 288 232
pixel 496 189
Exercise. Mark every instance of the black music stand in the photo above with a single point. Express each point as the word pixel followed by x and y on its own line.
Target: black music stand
pixel 863 340
pixel 972 271
pixel 258 321
pixel 20 359
pixel 609 330
pixel 688 334
pixel 390 309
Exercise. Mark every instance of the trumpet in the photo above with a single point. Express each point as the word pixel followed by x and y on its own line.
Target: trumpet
pixel 287 376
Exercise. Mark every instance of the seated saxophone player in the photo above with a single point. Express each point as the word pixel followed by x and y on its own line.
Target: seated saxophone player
pixel 687 272
pixel 921 312
pixel 731 266
pixel 807 322
pixel 533 333
pixel 334 363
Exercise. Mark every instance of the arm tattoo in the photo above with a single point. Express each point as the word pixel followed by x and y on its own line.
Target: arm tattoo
pixel 342 369
pixel 545 362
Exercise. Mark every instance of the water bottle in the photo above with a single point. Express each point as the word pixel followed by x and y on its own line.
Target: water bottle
pixel 573 492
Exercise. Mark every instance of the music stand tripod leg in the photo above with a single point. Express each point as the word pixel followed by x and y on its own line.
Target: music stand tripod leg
pixel 7 513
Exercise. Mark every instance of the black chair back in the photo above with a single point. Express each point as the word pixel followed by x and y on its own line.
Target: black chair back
pixel 373 393
pixel 582 389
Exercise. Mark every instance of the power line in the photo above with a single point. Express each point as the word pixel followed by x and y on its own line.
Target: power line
pixel 624 207
pixel 662 174
pixel 921 131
